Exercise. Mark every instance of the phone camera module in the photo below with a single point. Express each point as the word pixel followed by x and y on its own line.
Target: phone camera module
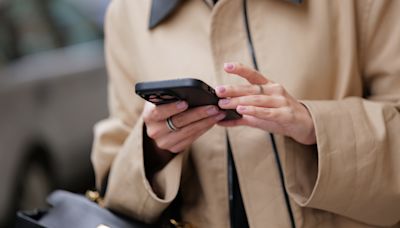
pixel 167 97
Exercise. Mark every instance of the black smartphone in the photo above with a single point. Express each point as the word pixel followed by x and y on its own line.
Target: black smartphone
pixel 194 91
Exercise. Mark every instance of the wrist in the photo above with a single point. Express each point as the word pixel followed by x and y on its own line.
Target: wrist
pixel 310 136
pixel 154 157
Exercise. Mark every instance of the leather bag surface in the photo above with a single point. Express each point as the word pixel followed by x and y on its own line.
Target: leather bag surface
pixel 74 210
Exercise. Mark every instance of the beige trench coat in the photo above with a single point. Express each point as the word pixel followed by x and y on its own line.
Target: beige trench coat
pixel 340 58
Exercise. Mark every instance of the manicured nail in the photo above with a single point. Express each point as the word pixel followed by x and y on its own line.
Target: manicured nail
pixel 224 101
pixel 229 66
pixel 181 105
pixel 241 108
pixel 212 111
pixel 220 89
pixel 220 116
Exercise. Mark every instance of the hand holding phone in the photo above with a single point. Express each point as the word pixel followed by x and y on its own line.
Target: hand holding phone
pixel 194 91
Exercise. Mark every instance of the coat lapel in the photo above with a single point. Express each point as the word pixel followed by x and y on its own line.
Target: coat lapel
pixel 161 9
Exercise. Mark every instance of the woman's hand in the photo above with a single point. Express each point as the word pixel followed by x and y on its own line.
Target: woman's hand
pixel 161 142
pixel 265 105
pixel 190 124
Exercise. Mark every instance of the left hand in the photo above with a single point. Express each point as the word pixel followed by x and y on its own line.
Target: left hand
pixel 266 105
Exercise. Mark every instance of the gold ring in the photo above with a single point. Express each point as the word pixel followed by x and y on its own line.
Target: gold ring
pixel 171 125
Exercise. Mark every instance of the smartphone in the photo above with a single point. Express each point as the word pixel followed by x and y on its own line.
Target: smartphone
pixel 194 91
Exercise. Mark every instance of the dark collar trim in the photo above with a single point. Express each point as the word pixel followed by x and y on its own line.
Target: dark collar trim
pixel 161 9
pixel 296 1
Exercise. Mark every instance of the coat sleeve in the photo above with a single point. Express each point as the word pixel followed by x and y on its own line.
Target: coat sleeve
pixel 356 169
pixel 117 148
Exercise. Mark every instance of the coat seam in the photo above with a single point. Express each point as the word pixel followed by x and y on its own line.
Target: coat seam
pixel 298 219
pixel 352 193
pixel 365 33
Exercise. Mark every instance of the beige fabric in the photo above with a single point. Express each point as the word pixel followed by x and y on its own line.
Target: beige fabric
pixel 329 54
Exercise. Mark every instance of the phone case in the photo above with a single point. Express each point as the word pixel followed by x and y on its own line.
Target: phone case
pixel 194 91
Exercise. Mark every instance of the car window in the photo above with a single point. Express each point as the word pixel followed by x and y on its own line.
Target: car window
pixel 32 26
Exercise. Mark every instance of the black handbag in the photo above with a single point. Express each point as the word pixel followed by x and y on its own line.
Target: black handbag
pixel 74 210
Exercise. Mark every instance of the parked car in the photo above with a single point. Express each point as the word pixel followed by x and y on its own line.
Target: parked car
pixel 52 92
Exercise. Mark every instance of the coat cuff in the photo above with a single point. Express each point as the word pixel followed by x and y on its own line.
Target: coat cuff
pixel 322 174
pixel 128 189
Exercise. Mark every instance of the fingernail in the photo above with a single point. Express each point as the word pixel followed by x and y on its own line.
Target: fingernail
pixel 181 105
pixel 220 89
pixel 241 108
pixel 220 116
pixel 229 66
pixel 224 101
pixel 212 111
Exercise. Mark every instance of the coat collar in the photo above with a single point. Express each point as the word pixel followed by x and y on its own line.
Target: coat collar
pixel 161 9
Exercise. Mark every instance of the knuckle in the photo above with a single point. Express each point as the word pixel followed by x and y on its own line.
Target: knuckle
pixel 203 112
pixel 271 114
pixel 257 111
pixel 235 102
pixel 291 114
pixel 279 89
pixel 229 88
pixel 253 89
pixel 150 133
pixel 266 113
pixel 146 118
pixel 235 89
pixel 245 89
pixel 259 99
pixel 281 100
pixel 262 113
pixel 162 144
pixel 201 115
pixel 153 132
pixel 251 110
pixel 177 120
pixel 155 114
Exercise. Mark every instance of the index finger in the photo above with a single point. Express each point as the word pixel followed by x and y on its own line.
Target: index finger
pixel 251 75
pixel 162 112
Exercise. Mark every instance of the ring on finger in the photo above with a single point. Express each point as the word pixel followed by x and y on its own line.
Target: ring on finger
pixel 261 89
pixel 171 125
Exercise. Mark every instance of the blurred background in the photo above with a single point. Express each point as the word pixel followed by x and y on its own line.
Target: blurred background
pixel 52 92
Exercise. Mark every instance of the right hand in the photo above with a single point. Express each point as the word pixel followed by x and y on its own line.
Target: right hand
pixel 192 123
